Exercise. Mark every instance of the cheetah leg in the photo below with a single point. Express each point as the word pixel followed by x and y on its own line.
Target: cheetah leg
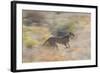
pixel 68 45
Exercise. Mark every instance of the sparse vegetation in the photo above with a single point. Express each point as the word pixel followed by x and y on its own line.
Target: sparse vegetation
pixel 38 26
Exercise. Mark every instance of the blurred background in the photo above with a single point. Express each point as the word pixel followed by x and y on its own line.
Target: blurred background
pixel 38 26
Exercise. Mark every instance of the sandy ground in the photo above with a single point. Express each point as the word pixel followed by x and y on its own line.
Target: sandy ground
pixel 79 50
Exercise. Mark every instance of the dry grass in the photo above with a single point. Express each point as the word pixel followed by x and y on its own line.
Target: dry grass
pixel 35 36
